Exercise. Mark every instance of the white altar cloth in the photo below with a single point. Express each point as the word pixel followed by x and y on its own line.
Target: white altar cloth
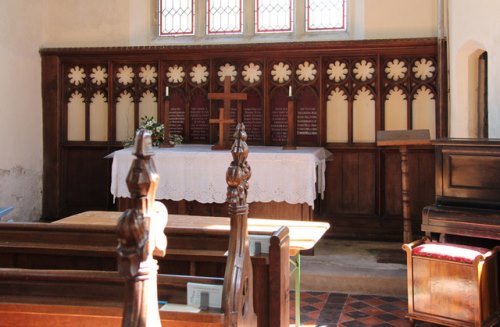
pixel 195 172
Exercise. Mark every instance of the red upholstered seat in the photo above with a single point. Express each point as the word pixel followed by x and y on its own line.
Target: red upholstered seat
pixel 447 251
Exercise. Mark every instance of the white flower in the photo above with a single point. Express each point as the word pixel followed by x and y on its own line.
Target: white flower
pixel 337 71
pixel 227 70
pixel 176 74
pixel 148 74
pixel 125 75
pixel 396 69
pixel 423 69
pixel 99 75
pixel 363 70
pixel 76 75
pixel 199 74
pixel 281 72
pixel 306 71
pixel 251 73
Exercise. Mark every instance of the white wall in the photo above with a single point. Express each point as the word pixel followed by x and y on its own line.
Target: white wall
pixel 82 23
pixel 21 33
pixel 473 25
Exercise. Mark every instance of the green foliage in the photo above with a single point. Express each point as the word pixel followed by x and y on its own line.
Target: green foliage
pixel 150 124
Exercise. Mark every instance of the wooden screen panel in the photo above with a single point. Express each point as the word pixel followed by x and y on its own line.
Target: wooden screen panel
pixel 337 117
pixel 199 115
pixel 395 110
pixel 421 183
pixel 98 119
pixel 358 183
pixel 279 116
pixel 364 117
pixel 392 182
pixel 86 180
pixel 253 117
pixel 177 114
pixel 76 117
pixel 345 66
pixel 424 111
pixel 125 126
pixel 307 111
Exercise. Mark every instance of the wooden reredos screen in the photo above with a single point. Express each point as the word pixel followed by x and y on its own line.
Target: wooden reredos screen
pixel 343 92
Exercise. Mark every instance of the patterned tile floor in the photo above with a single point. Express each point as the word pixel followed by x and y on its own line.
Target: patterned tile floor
pixel 337 309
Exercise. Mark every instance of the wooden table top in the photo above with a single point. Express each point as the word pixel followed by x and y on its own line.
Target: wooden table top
pixel 303 234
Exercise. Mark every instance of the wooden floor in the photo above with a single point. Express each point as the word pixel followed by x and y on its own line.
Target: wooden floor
pixel 351 310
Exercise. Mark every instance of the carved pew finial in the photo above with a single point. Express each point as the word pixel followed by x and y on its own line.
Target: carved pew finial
pixel 238 281
pixel 140 235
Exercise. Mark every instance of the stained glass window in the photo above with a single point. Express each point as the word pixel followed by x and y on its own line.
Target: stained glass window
pixel 273 15
pixel 179 17
pixel 176 17
pixel 224 16
pixel 325 15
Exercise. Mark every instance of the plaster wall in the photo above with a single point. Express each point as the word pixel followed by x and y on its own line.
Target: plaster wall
pixel 473 26
pixel 21 33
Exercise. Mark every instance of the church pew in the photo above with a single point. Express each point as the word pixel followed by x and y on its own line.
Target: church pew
pixel 37 297
pixel 140 237
pixel 93 247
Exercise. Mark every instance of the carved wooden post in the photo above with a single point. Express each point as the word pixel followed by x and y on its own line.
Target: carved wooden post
pixel 238 280
pixel 140 235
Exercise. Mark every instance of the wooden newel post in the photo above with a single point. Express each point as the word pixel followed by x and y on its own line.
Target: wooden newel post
pixel 290 140
pixel 140 235
pixel 403 139
pixel 238 277
pixel 166 121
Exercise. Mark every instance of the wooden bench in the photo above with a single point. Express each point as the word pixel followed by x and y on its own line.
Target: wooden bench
pixel 140 234
pixel 50 298
pixel 191 251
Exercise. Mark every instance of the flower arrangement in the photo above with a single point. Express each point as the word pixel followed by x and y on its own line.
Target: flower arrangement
pixel 156 129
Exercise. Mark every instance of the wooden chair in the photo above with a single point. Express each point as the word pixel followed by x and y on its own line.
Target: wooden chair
pixel 451 284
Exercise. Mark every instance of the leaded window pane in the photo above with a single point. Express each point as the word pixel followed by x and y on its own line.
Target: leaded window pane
pixel 273 15
pixel 176 17
pixel 224 16
pixel 325 15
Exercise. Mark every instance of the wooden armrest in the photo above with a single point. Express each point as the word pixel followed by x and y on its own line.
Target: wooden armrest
pixel 409 246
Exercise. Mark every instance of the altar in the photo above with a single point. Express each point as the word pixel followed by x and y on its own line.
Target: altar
pixel 193 172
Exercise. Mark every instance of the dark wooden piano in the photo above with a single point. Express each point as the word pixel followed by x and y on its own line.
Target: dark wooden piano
pixel 467 190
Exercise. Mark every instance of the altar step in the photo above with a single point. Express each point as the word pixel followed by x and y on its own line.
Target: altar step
pixel 355 267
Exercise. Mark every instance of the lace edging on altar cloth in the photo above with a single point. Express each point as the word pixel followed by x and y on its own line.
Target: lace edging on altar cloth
pixel 277 175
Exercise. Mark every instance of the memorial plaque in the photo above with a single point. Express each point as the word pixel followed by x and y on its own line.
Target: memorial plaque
pixel 279 117
pixel 252 118
pixel 176 114
pixel 233 114
pixel 307 117
pixel 198 119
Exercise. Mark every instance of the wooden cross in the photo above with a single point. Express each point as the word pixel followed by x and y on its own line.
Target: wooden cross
pixel 227 97
pixel 221 121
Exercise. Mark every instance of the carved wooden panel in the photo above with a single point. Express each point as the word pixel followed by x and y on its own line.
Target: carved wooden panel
pixel 343 93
